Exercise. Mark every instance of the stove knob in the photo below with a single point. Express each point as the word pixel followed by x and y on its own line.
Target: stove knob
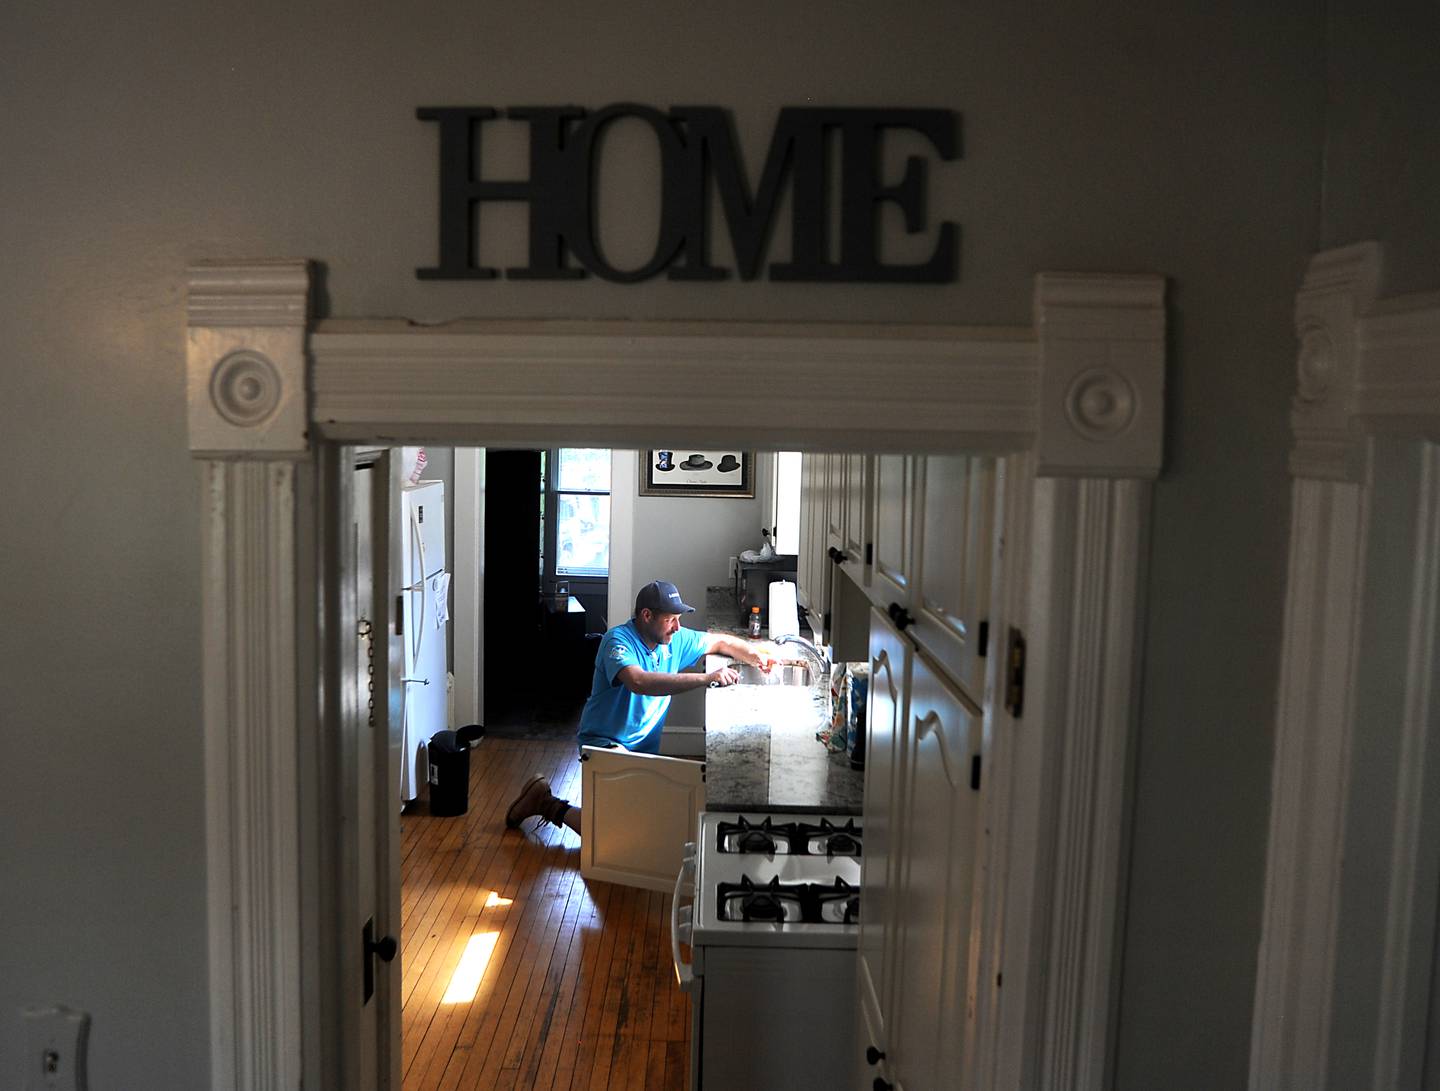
pixel 873 1055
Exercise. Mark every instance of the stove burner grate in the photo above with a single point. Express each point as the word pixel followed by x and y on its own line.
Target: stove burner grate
pixel 824 838
pixel 788 903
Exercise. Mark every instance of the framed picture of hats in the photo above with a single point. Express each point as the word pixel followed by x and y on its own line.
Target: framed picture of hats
pixel 683 472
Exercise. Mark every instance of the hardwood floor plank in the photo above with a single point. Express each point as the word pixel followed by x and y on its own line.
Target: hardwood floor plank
pixel 578 991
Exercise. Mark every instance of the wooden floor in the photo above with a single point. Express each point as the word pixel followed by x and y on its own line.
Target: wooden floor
pixel 578 991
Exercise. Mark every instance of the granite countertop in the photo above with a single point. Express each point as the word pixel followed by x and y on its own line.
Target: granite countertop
pixel 761 754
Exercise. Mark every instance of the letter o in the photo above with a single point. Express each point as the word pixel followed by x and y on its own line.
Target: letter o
pixel 582 148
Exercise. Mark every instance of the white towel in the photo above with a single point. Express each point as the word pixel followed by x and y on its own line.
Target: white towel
pixel 783 618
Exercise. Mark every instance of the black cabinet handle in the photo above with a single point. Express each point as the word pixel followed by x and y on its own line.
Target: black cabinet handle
pixel 900 616
pixel 873 1055
pixel 882 1085
pixel 836 555
pixel 385 948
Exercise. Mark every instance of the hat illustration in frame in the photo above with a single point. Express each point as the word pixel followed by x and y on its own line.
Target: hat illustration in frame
pixel 697 473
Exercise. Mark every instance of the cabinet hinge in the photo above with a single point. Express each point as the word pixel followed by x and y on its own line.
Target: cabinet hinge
pixel 984 641
pixel 1015 674
pixel 869 553
pixel 975 773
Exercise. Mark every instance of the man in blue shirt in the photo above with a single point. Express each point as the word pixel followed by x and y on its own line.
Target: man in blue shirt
pixel 640 665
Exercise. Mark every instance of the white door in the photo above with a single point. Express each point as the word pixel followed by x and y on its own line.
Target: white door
pixel 370 909
pixel 637 812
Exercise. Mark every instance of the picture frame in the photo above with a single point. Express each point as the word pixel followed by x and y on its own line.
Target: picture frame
pixel 686 472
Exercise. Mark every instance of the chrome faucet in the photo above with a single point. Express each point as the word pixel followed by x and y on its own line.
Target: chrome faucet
pixel 821 660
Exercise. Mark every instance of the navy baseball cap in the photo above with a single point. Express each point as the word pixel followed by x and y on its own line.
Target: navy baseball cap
pixel 661 597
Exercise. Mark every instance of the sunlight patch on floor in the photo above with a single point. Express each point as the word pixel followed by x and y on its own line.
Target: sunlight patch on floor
pixel 465 981
pixel 493 900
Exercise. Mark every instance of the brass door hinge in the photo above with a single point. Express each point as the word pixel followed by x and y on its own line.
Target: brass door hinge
pixel 1015 674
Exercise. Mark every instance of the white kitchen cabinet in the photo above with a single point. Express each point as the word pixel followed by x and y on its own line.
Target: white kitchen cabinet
pixel 892 529
pixel 955 554
pixel 813 567
pixel 846 489
pixel 932 902
pixel 857 513
pixel 887 710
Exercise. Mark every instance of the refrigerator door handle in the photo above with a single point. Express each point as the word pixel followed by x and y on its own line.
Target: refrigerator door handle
pixel 682 924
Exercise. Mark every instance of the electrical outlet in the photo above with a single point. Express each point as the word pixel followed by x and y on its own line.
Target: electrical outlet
pixel 55 1039
pixel 734 567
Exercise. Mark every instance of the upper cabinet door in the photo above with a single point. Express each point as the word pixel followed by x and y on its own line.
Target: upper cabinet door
pixel 805 551
pixel 936 892
pixel 886 712
pixel 856 510
pixel 892 529
pixel 835 495
pixel 950 592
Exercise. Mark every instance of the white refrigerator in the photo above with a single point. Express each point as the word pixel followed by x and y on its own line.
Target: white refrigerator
pixel 426 596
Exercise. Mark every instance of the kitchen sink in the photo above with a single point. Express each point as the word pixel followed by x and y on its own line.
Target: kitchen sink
pixel 787 674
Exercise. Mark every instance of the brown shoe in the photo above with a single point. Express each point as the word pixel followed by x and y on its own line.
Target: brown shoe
pixel 534 798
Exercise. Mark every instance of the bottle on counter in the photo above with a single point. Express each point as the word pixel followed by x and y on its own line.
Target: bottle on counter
pixel 755 621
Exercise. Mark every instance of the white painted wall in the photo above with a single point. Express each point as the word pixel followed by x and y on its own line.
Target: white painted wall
pixel 687 540
pixel 1174 137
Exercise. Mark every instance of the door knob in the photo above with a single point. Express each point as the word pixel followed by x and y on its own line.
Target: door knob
pixel 882 1085
pixel 385 948
pixel 873 1055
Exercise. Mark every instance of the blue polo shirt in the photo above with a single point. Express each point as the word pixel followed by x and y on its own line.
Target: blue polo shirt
pixel 615 715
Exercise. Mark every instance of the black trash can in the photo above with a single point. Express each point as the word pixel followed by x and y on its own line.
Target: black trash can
pixel 449 756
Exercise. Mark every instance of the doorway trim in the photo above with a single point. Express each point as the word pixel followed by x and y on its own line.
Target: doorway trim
pixel 1079 395
pixel 1344 994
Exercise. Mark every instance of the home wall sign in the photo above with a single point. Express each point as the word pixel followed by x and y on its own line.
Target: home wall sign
pixel 698 154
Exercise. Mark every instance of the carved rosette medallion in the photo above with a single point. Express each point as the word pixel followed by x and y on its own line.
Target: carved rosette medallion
pixel 1100 404
pixel 1315 365
pixel 245 388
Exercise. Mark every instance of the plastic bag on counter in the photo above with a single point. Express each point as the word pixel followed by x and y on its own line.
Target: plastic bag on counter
pixel 836 733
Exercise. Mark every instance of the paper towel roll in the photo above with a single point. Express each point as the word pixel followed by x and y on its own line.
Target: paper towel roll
pixel 783 618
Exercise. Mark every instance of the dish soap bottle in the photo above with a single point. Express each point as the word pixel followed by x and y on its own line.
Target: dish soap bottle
pixel 755 621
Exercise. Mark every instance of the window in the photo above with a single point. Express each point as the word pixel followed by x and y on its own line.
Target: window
pixel 582 511
pixel 786 515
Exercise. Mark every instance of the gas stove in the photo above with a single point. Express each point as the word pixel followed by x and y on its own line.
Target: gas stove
pixel 770 880
pixel 772 934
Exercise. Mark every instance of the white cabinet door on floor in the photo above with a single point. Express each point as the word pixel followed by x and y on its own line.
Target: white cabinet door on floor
pixel 892 529
pixel 957 545
pixel 638 810
pixel 933 901
pixel 890 656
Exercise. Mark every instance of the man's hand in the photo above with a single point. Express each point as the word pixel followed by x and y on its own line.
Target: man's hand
pixel 722 676
pixel 766 656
